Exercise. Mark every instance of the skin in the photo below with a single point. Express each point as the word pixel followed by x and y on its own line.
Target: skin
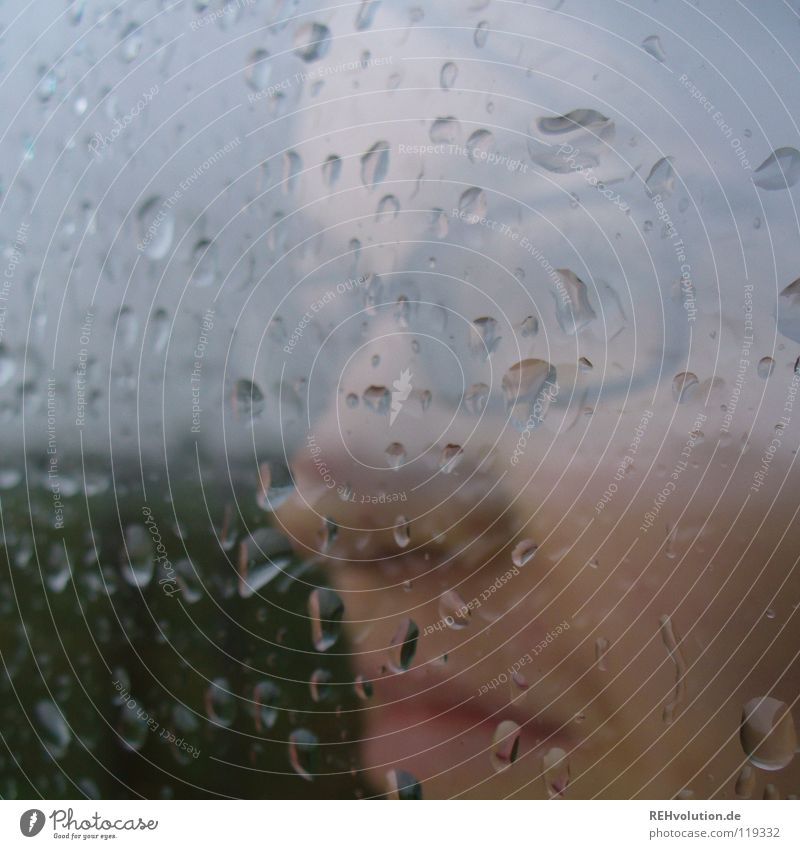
pixel 658 715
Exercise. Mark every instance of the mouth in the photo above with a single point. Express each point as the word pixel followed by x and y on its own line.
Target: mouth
pixel 446 734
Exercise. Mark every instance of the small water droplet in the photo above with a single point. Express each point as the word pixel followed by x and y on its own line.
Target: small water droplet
pixel 479 145
pixel 472 205
pixel 661 179
pixel 312 41
pixel 523 552
pixel 475 398
pixel 652 44
pixel 303 749
pixel 451 458
pixel 258 70
pixel 453 610
pixel 403 646
pixel 445 130
pixel 375 164
pixel 402 531
pixel 378 399
pixel 556 773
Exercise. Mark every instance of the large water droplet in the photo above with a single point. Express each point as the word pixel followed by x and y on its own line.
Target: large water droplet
pixel 453 610
pixel 573 309
pixel 525 380
pixel 326 610
pixel 661 179
pixel 156 225
pixel 767 733
pixel 472 205
pixel 780 170
pixel 788 311
pixel 312 41
pixel 378 399
pixel 479 145
pixel 505 745
pixel 445 130
pixel 375 164
pixel 556 773
pixel 403 646
pixel 303 749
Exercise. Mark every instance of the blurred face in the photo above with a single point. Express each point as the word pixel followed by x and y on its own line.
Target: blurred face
pixel 576 606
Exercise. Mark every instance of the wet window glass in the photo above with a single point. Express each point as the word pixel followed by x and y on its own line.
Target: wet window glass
pixel 399 400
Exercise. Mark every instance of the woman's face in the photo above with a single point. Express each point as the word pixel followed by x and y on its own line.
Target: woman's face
pixel 563 620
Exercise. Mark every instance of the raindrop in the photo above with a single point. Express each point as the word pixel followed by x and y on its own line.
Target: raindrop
pixel 258 70
pixel 529 326
pixel 780 170
pixel 132 728
pixel 388 207
pixel 684 386
pixel 789 311
pixel 326 610
pixel 265 696
pixel 395 455
pixel 453 610
pixel 481 34
pixel 472 205
pixel 220 703
pixel 275 485
pixel 319 685
pixel 331 169
pixel 377 398
pixel 303 747
pixel 375 164
pixel 351 400
pixel 311 41
pixel 652 44
pixel 676 698
pixel 363 688
pixel 556 773
pixel 577 119
pixel 523 552
pixel 475 398
pixel 767 733
pixel 451 458
pixel 601 647
pixel 525 380
pixel 156 227
pixel 483 338
pixel 53 728
pixel 448 74
pixel 248 400
pixel 204 263
pixel 766 365
pixel 479 145
pixel 445 130
pixel 573 309
pixel 131 41
pixel 661 179
pixel 505 745
pixel 7 366
pixel 137 557
pixel 402 785
pixel 402 531
pixel 366 13
pixel 403 646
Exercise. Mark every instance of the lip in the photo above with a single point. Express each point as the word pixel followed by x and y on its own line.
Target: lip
pixel 440 726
